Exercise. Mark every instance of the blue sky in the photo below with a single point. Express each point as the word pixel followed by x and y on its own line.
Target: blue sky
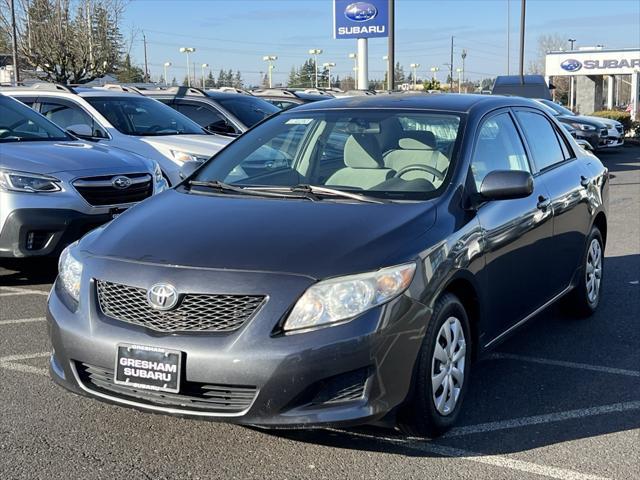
pixel 236 34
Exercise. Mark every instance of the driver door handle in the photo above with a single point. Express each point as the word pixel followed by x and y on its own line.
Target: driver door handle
pixel 543 203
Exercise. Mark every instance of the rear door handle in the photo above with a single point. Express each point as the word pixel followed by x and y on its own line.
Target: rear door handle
pixel 584 181
pixel 543 203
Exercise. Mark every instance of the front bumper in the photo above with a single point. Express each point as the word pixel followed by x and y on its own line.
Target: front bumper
pixel 347 374
pixel 615 138
pixel 38 232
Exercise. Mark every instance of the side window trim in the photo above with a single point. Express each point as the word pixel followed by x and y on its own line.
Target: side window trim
pixel 42 100
pixel 536 171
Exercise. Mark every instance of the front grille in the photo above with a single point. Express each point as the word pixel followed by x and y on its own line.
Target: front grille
pixel 192 396
pixel 194 313
pixel 604 132
pixel 620 128
pixel 100 191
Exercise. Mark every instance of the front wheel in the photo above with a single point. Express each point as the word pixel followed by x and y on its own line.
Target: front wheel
pixel 585 297
pixel 441 373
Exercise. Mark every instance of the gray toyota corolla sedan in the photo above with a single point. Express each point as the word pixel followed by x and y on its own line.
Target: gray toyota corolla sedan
pixel 355 277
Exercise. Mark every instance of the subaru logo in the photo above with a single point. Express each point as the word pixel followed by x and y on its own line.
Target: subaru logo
pixel 162 296
pixel 360 12
pixel 571 65
pixel 121 182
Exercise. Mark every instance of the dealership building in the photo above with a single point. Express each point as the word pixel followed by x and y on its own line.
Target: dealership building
pixel 600 78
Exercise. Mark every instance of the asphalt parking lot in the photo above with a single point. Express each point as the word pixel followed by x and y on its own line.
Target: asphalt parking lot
pixel 560 399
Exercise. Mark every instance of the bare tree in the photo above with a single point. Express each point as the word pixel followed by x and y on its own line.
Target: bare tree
pixel 68 41
pixel 546 44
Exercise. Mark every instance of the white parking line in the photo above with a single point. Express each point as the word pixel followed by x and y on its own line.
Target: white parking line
pixel 494 460
pixel 21 291
pixel 9 363
pixel 22 320
pixel 541 419
pixel 562 363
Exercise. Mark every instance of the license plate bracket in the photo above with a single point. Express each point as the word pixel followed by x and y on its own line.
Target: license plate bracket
pixel 148 368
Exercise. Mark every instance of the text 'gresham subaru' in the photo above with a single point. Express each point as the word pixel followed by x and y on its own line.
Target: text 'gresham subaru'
pixel 355 279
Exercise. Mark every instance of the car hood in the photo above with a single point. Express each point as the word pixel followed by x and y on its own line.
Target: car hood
pixel 593 121
pixel 73 156
pixel 605 121
pixel 205 145
pixel 317 239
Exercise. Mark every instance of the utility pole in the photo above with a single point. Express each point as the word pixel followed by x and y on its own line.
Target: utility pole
pixel 14 44
pixel 391 74
pixel 146 63
pixel 522 23
pixel 508 37
pixel 451 68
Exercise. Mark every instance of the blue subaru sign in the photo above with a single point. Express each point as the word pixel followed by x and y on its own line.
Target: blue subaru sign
pixel 571 65
pixel 353 19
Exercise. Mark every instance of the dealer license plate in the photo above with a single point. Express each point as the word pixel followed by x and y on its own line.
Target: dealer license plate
pixel 149 368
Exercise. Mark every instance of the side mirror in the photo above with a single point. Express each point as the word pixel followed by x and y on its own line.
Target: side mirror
pixel 506 184
pixel 188 168
pixel 221 126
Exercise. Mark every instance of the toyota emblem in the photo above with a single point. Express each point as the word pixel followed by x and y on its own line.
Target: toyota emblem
pixel 162 296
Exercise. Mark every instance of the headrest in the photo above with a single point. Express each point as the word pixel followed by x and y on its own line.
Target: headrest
pixel 362 151
pixel 418 140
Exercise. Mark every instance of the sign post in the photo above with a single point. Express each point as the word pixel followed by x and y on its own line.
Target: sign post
pixel 361 20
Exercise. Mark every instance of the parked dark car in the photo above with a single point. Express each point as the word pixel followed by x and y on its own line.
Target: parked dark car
pixel 527 86
pixel 285 99
pixel 218 112
pixel 340 286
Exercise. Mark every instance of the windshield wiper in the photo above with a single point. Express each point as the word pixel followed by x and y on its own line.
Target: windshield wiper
pixel 256 192
pixel 318 190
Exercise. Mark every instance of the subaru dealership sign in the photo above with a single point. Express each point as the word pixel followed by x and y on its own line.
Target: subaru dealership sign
pixel 352 19
pixel 593 62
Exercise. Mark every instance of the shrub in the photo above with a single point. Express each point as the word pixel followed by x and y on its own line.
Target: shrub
pixel 623 117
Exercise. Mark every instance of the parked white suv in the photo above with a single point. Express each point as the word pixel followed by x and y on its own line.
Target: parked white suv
pixel 126 121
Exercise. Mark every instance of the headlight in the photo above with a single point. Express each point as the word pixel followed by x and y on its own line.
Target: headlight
pixel 28 182
pixel 158 179
pixel 342 298
pixel 183 157
pixel 70 272
pixel 584 127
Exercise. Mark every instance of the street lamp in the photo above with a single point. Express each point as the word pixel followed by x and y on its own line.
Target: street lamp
pixel 270 59
pixel 386 59
pixel 354 57
pixel 459 70
pixel 204 65
pixel 415 66
pixel 188 50
pixel 315 52
pixel 435 71
pixel 166 67
pixel 572 41
pixel 329 66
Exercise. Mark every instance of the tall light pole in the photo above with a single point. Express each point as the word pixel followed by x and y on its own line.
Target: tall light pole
pixel 508 37
pixel 434 71
pixel 270 59
pixel 354 57
pixel 572 41
pixel 14 44
pixel 166 67
pixel 415 66
pixel 459 70
pixel 204 65
pixel 391 46
pixel 188 50
pixel 315 52
pixel 571 79
pixel 329 66
pixel 523 12
pixel 464 56
pixel 386 59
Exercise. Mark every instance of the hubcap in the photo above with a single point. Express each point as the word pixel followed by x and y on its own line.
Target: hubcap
pixel 594 270
pixel 447 366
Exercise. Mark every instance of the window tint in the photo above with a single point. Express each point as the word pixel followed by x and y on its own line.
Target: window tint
pixel 248 109
pixel 542 139
pixel 207 118
pixel 18 123
pixel 498 148
pixel 71 118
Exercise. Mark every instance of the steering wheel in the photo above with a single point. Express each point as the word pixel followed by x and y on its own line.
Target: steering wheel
pixel 423 168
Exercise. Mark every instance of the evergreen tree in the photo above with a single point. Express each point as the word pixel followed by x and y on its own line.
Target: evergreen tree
pixel 400 77
pixel 221 79
pixel 174 82
pixel 210 82
pixel 237 80
pixel 128 73
pixel 185 82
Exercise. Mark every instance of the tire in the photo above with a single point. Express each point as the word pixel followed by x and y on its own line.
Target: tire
pixel 584 299
pixel 425 414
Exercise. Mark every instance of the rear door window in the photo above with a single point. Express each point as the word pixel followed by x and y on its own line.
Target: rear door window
pixel 541 138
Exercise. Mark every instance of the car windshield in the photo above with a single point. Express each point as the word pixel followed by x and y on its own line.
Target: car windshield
pixel 18 123
pixel 249 110
pixel 133 115
pixel 557 108
pixel 395 155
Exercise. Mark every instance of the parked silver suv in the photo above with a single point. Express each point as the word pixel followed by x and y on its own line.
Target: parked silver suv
pixel 55 187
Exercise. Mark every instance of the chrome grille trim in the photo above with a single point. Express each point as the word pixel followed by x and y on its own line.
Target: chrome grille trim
pixel 194 312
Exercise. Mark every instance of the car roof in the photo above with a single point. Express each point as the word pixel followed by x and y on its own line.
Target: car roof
pixel 462 103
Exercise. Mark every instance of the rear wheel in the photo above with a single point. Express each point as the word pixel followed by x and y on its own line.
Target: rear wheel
pixel 585 298
pixel 441 373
